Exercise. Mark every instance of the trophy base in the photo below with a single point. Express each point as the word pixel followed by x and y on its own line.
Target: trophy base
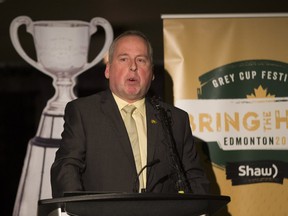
pixel 49 129
pixel 35 178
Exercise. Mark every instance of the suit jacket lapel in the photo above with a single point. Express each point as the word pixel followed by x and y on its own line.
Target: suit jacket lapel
pixel 111 111
pixel 157 149
pixel 152 130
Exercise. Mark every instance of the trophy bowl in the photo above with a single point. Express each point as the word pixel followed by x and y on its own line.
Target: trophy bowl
pixel 62 48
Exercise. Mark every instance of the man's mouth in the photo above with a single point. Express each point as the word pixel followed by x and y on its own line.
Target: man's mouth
pixel 131 79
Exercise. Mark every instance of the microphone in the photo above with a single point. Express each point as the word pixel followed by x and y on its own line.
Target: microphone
pixel 136 182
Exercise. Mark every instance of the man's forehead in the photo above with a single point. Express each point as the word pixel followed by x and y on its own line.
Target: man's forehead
pixel 128 49
pixel 131 39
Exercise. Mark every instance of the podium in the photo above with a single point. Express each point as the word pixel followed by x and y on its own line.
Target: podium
pixel 133 204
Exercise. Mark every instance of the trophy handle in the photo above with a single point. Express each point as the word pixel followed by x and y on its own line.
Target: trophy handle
pixel 15 24
pixel 98 21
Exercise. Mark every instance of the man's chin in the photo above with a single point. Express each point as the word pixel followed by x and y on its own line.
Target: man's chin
pixel 134 96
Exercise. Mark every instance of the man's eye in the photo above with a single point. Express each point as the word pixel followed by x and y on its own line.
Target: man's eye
pixel 141 60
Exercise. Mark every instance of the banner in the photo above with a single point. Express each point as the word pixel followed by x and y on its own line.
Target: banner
pixel 230 73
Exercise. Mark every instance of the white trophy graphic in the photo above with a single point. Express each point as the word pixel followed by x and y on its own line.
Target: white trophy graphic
pixel 62 52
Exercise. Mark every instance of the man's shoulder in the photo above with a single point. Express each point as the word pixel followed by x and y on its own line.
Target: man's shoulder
pixel 90 99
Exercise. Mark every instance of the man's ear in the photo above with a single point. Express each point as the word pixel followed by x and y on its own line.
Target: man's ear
pixel 107 71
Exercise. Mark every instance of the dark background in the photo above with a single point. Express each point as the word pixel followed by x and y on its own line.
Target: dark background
pixel 24 90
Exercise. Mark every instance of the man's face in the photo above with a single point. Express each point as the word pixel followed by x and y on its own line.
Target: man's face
pixel 130 72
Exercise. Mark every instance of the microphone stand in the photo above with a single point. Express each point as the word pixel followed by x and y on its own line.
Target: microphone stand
pixel 181 181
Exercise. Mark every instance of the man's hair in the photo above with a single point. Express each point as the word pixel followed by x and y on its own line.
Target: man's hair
pixel 131 33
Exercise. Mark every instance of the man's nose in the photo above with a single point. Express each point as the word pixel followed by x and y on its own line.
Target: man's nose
pixel 133 66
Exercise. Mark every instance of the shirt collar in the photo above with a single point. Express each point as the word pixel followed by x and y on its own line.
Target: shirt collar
pixel 140 104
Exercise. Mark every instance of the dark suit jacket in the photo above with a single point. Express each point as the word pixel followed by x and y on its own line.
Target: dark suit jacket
pixel 95 153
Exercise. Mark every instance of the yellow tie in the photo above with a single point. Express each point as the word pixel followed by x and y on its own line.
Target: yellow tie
pixel 133 136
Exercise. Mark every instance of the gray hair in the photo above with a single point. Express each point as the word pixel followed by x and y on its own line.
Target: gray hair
pixel 131 33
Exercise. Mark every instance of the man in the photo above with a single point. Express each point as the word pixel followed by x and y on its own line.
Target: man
pixel 96 153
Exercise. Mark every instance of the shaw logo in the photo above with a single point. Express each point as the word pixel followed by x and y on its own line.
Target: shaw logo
pixel 246 170
pixel 256 171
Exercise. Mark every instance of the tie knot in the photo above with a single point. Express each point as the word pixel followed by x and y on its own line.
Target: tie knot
pixel 129 109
